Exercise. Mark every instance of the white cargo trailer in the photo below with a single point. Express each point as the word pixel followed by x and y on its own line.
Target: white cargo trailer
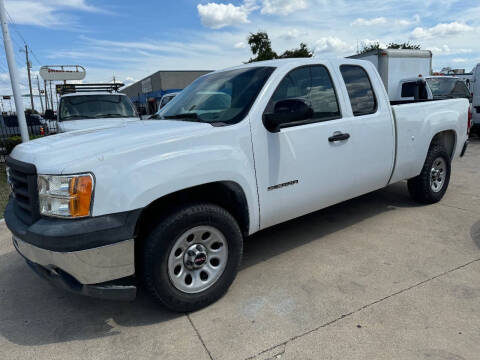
pixel 397 65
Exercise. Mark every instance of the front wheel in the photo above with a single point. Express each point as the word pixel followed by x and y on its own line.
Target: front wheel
pixel 432 183
pixel 191 258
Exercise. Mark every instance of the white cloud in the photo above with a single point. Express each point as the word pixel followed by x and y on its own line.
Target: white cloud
pixel 217 16
pixel 47 13
pixel 282 7
pixel 445 29
pixel 331 45
pixel 369 22
pixel 407 22
pixel 459 60
pixel 446 50
pixel 294 34
pixel 240 45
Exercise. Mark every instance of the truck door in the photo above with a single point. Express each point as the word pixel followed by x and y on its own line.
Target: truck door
pixel 333 156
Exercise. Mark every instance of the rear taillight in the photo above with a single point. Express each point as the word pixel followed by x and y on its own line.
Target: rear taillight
pixel 469 124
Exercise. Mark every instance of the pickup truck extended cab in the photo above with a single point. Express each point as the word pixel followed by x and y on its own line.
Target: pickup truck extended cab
pixel 167 203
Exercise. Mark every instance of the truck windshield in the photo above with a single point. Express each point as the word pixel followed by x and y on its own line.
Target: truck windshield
pixel 218 98
pixel 448 88
pixel 95 107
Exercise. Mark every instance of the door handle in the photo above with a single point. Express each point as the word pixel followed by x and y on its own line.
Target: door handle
pixel 339 137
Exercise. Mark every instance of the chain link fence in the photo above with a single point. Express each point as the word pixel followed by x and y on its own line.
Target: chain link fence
pixel 10 137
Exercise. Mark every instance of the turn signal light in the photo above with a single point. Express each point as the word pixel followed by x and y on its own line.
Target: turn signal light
pixel 80 195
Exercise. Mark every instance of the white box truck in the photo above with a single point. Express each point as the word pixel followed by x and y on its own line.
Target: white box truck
pixel 400 66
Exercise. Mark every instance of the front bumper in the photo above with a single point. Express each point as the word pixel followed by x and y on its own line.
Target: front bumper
pixel 105 272
pixel 89 266
pixel 91 256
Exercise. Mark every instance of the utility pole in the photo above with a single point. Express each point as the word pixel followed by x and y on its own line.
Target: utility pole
pixel 12 68
pixel 51 94
pixel 46 93
pixel 40 95
pixel 29 77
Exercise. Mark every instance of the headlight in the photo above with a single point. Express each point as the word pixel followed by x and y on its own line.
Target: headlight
pixel 68 196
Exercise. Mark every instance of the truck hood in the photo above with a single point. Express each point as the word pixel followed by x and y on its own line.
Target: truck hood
pixel 82 124
pixel 52 154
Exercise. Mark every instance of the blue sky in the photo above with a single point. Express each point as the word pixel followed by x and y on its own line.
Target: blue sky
pixel 132 39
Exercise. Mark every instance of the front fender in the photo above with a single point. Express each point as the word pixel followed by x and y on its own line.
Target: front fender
pixel 134 180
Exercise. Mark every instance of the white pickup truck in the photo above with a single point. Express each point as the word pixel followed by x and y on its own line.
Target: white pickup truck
pixel 167 203
pixel 85 110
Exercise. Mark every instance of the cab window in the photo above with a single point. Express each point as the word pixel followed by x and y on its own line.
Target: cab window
pixel 360 90
pixel 313 85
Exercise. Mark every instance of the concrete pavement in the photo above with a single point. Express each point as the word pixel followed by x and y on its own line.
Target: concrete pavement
pixel 377 277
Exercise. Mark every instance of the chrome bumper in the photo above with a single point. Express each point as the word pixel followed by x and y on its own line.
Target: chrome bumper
pixel 90 266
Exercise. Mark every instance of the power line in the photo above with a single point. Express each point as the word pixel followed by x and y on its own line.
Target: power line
pixel 35 57
pixel 14 26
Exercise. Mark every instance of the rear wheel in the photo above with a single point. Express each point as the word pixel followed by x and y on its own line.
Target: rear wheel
pixel 432 183
pixel 191 258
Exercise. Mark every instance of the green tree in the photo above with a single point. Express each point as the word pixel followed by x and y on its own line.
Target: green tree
pixel 376 45
pixel 302 52
pixel 261 47
pixel 405 45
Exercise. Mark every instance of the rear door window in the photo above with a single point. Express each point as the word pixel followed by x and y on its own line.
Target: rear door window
pixel 408 89
pixel 360 90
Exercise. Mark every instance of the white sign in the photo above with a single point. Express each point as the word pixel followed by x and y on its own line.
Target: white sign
pixel 62 72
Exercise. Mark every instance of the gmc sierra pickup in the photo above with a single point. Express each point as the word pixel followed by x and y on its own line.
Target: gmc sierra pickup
pixel 167 203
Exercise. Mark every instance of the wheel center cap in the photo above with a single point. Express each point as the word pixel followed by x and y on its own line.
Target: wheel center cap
pixel 195 256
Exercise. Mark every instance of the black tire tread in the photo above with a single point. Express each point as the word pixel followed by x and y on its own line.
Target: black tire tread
pixel 419 186
pixel 150 256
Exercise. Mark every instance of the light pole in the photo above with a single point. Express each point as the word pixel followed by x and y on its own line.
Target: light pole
pixel 12 68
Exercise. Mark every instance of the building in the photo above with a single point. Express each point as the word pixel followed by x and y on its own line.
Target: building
pixel 146 92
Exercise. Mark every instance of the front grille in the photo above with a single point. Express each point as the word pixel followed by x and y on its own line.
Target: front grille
pixel 23 178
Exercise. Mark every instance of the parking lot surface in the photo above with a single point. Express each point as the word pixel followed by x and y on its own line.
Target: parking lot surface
pixel 377 277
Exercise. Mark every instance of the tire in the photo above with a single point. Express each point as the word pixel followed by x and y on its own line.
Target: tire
pixel 432 183
pixel 186 230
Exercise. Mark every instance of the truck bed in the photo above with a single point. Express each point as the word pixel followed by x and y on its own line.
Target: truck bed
pixel 417 123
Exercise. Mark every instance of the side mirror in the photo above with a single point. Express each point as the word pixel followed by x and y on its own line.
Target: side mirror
pixel 286 111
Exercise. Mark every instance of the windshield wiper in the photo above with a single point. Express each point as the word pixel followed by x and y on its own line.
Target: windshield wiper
pixel 182 116
pixel 77 117
pixel 111 115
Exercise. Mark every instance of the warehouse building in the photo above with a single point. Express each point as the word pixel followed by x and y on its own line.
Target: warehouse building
pixel 146 93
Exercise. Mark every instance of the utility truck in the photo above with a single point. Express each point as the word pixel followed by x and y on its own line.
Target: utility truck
pixel 85 106
pixel 167 203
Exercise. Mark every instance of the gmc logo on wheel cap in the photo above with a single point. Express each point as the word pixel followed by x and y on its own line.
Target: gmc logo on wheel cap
pixel 200 259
